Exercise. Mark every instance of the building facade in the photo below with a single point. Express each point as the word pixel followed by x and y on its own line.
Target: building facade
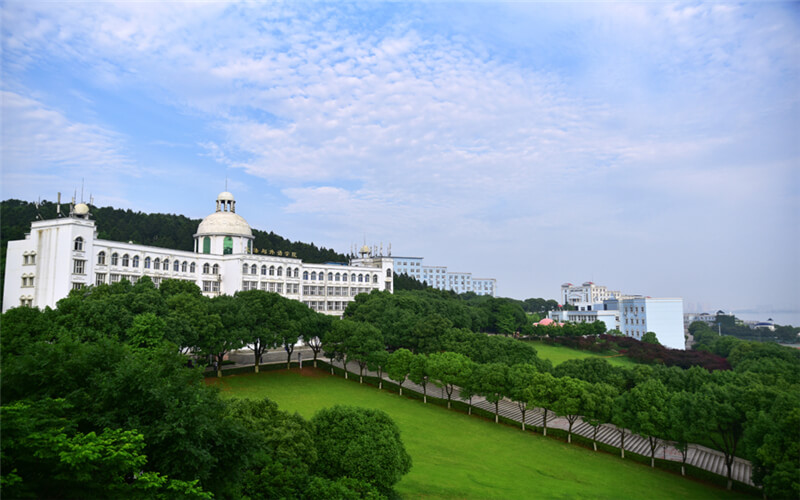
pixel 64 254
pixel 439 277
pixel 633 315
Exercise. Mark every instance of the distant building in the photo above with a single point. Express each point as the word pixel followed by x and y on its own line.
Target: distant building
pixel 439 277
pixel 584 296
pixel 64 254
pixel 633 315
pixel 689 318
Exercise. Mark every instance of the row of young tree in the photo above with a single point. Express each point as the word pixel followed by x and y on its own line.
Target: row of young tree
pixel 751 410
pixel 97 401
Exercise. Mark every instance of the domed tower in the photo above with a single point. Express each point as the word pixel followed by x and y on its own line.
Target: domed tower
pixel 224 232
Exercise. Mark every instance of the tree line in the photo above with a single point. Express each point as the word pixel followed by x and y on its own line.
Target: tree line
pixel 426 336
pixel 98 399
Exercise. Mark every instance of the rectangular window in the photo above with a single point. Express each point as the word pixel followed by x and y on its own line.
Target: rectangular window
pixel 78 266
pixel 99 279
pixel 114 278
pixel 77 286
pixel 279 288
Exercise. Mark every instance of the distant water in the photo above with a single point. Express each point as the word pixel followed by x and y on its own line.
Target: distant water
pixel 778 317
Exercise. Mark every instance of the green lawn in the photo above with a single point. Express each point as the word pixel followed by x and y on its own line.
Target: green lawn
pixel 458 456
pixel 558 354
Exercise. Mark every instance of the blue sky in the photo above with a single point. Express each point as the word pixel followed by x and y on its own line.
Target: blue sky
pixel 651 147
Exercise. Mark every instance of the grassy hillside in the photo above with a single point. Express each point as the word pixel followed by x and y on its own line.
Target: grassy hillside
pixel 458 456
pixel 558 354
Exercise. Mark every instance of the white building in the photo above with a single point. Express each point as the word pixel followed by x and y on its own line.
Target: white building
pixel 663 316
pixel 633 315
pixel 439 277
pixel 586 295
pixel 64 254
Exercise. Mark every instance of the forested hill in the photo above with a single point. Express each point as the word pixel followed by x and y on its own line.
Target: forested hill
pixel 160 230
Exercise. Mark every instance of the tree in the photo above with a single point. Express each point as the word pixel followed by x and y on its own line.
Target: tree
pixel 491 382
pixel 45 456
pixel 109 385
pixel 724 404
pixel 598 407
pixel 569 400
pixel 360 443
pixel 296 314
pixel 261 319
pixel 399 365
pixel 333 343
pixel 364 340
pixel 681 414
pixel 190 320
pixel 541 394
pixel 448 369
pixel 147 331
pixel 314 329
pixel 520 379
pixel 377 362
pixel 647 405
pixel 228 332
pixel 771 439
pixel 283 444
pixel 622 418
pixel 650 338
pixel 427 332
pixel 418 373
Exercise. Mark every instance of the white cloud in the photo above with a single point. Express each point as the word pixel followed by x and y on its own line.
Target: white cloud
pixel 34 135
pixel 503 122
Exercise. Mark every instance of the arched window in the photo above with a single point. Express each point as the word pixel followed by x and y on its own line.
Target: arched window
pixel 157 264
pixel 126 260
pixel 264 270
pixel 244 268
pixel 388 273
pixel 184 265
pixel 330 276
pixel 147 262
pixel 374 278
pixel 215 269
pixel 114 259
pixel 272 270
pixel 337 277
pixel 78 244
pixel 206 268
pixel 192 268
pixel 313 275
pixel 101 258
pixel 360 278
pixel 166 265
pixel 227 246
pixel 280 271
pixel 344 277
pixel 135 261
pixel 176 266
pixel 253 269
pixel 305 275
pixel 296 271
pixel 353 277
pixel 206 245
